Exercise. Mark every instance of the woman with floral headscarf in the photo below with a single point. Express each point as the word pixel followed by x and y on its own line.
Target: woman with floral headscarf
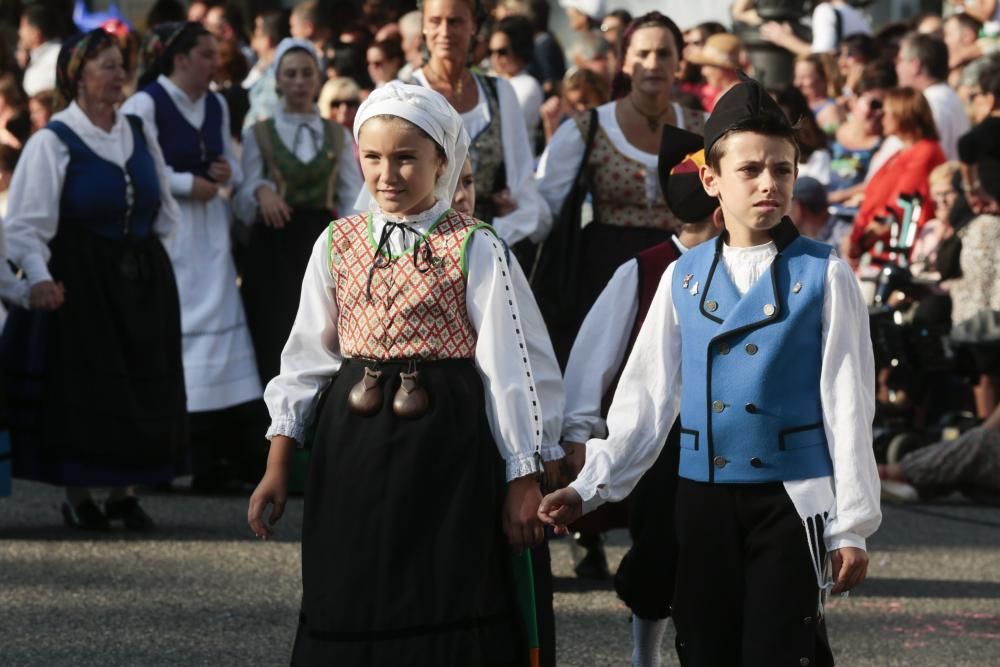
pixel 98 376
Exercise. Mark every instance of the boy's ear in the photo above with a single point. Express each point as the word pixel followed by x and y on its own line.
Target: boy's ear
pixel 709 180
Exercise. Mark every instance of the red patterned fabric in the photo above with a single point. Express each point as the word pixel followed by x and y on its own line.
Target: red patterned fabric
pixel 411 315
pixel 619 182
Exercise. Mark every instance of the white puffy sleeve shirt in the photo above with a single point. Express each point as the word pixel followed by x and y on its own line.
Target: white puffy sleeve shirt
pixel 524 400
pixel 36 189
pixel 599 351
pixel 648 401
pixel 531 219
pixel 303 135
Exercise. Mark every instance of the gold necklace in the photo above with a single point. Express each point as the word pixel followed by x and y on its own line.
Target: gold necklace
pixel 652 120
pixel 456 86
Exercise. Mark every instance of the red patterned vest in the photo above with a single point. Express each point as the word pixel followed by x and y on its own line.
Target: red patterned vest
pixel 411 315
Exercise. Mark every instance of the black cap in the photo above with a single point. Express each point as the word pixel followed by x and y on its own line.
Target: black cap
pixel 681 156
pixel 744 101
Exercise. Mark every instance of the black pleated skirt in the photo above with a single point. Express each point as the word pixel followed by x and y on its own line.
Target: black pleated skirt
pixel 404 561
pixel 273 265
pixel 96 387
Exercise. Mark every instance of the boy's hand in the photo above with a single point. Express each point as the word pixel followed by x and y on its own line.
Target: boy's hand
pixel 850 567
pixel 272 490
pixel 47 295
pixel 576 456
pixel 553 475
pixel 560 509
pixel 203 189
pixel 520 520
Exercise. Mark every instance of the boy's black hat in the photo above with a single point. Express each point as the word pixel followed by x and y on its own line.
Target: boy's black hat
pixel 681 156
pixel 744 101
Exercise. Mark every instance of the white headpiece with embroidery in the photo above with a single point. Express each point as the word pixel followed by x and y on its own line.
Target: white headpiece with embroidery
pixel 429 111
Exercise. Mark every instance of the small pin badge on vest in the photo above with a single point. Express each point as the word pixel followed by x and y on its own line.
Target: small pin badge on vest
pixel 411 400
pixel 687 279
pixel 365 398
pixel 694 289
pixel 796 288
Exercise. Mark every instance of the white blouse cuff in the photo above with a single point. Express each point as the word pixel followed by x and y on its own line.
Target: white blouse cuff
pixel 522 467
pixel 552 452
pixel 841 540
pixel 577 433
pixel 289 427
pixel 36 269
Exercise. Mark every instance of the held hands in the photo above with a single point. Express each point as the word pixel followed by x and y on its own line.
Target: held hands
pixel 203 189
pixel 850 567
pixel 520 520
pixel 47 295
pixel 220 171
pixel 560 509
pixel 273 209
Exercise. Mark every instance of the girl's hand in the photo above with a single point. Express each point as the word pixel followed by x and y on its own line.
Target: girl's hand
pixel 850 567
pixel 520 520
pixel 47 295
pixel 272 490
pixel 273 209
pixel 560 509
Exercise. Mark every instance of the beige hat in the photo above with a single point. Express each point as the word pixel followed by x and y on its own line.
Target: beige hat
pixel 721 50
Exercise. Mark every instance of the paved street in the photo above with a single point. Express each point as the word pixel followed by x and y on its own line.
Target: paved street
pixel 200 591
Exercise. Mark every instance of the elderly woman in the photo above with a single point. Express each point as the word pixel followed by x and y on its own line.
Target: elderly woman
pixel 502 157
pixel 908 117
pixel 99 376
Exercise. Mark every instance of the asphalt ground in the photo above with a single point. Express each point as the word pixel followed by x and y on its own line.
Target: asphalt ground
pixel 201 591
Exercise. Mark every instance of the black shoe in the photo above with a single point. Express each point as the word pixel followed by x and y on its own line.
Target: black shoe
pixel 594 565
pixel 85 516
pixel 127 510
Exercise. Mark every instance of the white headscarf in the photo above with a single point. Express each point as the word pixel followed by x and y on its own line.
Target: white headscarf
pixel 429 111
pixel 289 43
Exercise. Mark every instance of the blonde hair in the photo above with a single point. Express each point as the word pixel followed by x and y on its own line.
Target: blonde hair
pixel 338 88
pixel 943 174
pixel 826 66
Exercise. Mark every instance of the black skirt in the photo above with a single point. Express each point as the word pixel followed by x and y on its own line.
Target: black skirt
pixel 97 386
pixel 404 561
pixel 273 265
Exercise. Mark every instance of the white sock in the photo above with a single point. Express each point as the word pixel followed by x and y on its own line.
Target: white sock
pixel 646 639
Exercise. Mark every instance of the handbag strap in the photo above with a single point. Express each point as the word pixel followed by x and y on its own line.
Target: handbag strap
pixel 591 133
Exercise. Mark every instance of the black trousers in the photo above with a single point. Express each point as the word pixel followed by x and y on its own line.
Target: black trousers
pixel 746 592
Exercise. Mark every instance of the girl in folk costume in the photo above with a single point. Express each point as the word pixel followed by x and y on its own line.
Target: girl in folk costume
pixel 431 357
pixel 98 379
pixel 298 169
pixel 191 126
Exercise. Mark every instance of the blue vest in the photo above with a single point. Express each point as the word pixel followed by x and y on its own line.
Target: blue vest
pixel 750 397
pixel 103 198
pixel 187 148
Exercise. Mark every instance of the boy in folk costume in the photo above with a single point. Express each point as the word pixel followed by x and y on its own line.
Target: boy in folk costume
pixel 770 334
pixel 431 356
pixel 645 577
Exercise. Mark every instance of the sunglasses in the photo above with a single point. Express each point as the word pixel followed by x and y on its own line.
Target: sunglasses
pixel 350 104
pixel 500 53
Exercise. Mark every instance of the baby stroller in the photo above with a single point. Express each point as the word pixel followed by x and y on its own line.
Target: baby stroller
pixel 920 399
